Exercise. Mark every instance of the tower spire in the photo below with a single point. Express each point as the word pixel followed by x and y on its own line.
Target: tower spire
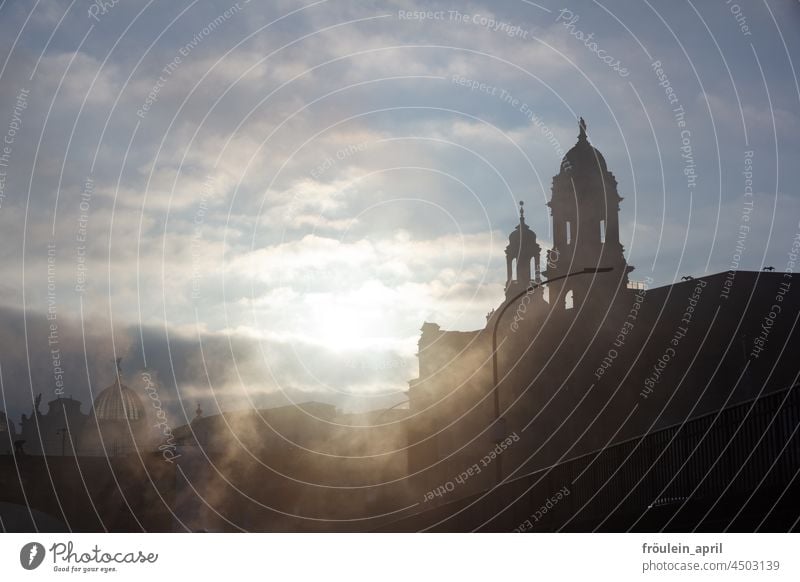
pixel 521 212
pixel 582 127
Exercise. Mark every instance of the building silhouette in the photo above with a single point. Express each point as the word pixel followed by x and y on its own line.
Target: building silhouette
pixel 590 361
pixel 115 425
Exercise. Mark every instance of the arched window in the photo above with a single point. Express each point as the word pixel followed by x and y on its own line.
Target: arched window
pixel 568 304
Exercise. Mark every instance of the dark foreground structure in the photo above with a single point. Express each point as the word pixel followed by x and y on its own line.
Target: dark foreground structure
pixel 128 493
pixel 735 470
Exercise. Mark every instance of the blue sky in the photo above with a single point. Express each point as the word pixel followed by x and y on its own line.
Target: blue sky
pixel 281 194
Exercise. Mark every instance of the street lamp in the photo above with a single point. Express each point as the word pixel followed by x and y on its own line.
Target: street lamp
pixel 499 422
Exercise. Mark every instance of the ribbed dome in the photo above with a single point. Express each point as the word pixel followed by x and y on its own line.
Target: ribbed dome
pixel 521 235
pixel 118 402
pixel 583 156
pixel 522 240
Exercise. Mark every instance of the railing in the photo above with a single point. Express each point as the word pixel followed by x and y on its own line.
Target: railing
pixel 701 473
pixel 637 285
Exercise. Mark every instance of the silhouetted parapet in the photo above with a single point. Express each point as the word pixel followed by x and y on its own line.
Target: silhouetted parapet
pixel 58 431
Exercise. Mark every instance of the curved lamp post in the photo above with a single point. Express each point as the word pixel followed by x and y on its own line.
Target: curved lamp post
pixel 499 428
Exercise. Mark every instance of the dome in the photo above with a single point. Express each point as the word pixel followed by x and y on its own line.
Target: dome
pixel 118 402
pixel 522 234
pixel 583 155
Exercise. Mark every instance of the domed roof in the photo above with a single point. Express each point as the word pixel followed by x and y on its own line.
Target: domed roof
pixel 522 234
pixel 118 402
pixel 583 155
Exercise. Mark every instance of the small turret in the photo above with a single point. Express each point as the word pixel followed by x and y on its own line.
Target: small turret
pixel 521 250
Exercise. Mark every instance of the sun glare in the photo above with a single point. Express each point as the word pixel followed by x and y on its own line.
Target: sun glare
pixel 343 330
pixel 353 320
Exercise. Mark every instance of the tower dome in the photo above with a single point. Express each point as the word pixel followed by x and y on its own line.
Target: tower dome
pixel 522 235
pixel 118 402
pixel 118 424
pixel 583 156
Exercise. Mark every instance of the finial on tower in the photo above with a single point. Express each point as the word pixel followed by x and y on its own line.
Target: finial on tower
pixel 582 126
pixel 119 365
pixel 521 211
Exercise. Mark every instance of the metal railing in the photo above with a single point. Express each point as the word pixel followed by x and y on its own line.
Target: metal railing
pixel 707 468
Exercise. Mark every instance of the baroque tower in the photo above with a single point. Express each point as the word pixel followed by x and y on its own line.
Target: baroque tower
pixel 585 210
pixel 521 250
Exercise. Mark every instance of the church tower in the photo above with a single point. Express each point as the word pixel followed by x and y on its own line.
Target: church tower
pixel 585 210
pixel 521 250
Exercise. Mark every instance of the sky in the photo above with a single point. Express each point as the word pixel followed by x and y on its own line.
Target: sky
pixel 261 202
